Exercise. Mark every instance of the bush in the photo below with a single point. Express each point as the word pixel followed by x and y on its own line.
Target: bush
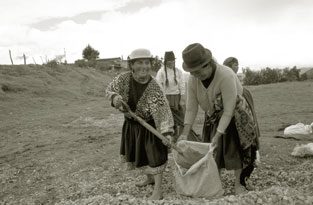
pixel 103 67
pixel 81 63
pixel 304 76
pixel 156 64
pixel 268 75
pixel 52 63
pixel 92 63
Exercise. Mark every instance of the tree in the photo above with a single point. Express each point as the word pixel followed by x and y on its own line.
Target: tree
pixel 90 53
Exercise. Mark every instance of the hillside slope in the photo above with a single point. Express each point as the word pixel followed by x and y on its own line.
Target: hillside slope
pixel 42 81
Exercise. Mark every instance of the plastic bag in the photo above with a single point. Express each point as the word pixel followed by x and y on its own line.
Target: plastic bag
pixel 202 178
pixel 298 128
pixel 303 150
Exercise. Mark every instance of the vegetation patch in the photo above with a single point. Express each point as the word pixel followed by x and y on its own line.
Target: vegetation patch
pixel 11 88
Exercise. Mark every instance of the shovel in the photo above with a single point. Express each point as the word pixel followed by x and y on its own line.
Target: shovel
pixel 150 128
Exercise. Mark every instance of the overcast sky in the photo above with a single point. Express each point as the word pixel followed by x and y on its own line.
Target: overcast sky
pixel 260 33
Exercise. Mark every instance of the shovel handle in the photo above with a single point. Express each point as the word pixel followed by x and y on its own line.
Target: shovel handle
pixel 150 128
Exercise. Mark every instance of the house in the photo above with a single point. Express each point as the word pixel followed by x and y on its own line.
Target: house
pixel 111 63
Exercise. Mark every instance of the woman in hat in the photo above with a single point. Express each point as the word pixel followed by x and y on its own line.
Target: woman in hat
pixel 218 91
pixel 172 81
pixel 139 147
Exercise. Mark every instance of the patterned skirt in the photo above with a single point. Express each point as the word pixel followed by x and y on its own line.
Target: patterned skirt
pixel 142 150
pixel 229 152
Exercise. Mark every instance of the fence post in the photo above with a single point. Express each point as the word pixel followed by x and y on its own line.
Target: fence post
pixel 34 60
pixel 11 57
pixel 42 60
pixel 24 58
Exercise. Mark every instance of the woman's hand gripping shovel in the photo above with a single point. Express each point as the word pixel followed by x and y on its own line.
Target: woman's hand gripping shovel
pixel 149 127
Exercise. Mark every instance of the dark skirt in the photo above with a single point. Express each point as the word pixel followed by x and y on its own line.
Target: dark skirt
pixel 178 113
pixel 173 101
pixel 227 153
pixel 140 147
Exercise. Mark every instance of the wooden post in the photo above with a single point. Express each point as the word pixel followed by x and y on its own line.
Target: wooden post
pixel 65 61
pixel 11 57
pixel 34 60
pixel 24 58
pixel 42 60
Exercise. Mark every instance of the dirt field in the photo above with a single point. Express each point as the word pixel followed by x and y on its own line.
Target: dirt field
pixel 59 143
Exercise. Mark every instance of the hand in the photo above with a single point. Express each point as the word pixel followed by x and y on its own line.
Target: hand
pixel 126 114
pixel 215 139
pixel 182 137
pixel 117 101
pixel 168 142
pixel 182 101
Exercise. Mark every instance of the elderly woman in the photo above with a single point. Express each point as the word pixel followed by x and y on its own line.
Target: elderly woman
pixel 218 91
pixel 139 147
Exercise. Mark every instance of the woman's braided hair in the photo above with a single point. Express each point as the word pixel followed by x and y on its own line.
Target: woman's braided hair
pixel 169 55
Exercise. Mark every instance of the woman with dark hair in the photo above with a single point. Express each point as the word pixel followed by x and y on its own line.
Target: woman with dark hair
pixel 139 147
pixel 232 62
pixel 229 124
pixel 172 81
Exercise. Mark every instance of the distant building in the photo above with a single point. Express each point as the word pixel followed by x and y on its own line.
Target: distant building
pixel 112 63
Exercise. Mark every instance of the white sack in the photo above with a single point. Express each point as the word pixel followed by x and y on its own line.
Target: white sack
pixel 298 128
pixel 202 178
pixel 303 150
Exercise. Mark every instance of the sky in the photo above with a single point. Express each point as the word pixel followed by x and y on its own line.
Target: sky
pixel 260 33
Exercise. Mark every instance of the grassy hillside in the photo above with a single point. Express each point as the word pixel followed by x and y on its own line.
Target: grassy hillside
pixel 282 104
pixel 59 143
pixel 40 88
pixel 62 81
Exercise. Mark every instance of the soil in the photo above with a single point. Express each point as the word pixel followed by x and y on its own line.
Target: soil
pixel 59 144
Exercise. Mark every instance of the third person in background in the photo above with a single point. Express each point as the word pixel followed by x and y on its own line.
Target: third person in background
pixel 172 81
pixel 233 63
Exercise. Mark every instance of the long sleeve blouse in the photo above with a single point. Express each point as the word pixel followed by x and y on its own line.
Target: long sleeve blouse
pixel 224 83
pixel 172 88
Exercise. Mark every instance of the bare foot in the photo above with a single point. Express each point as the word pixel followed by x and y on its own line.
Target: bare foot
pixel 239 189
pixel 145 182
pixel 156 195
